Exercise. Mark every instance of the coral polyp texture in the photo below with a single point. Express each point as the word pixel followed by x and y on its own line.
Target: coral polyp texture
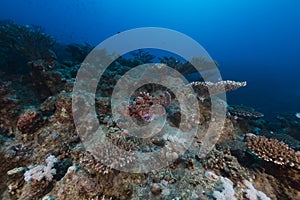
pixel 274 151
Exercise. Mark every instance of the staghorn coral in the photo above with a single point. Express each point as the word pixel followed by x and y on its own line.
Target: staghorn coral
pixel 207 89
pixel 272 150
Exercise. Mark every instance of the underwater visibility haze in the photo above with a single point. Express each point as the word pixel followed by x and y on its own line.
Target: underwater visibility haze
pixel 149 99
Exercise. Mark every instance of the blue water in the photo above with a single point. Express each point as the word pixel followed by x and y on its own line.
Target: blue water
pixel 253 40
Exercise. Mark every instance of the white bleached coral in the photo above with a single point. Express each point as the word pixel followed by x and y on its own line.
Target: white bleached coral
pixel 252 193
pixel 41 171
pixel 227 193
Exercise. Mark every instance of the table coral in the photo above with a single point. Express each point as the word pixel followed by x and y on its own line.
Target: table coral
pixel 272 150
pixel 207 89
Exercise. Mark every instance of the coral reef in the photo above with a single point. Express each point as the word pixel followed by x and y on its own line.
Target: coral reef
pixel 36 124
pixel 78 52
pixel 291 124
pixel 47 81
pixel 27 41
pixel 142 57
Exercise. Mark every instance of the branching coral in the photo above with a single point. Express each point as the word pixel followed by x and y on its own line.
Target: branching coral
pixel 41 171
pixel 27 41
pixel 272 150
pixel 112 156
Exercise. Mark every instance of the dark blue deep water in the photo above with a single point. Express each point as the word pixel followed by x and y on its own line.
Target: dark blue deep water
pixel 253 40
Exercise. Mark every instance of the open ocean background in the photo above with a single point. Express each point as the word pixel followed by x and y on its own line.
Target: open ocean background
pixel 253 40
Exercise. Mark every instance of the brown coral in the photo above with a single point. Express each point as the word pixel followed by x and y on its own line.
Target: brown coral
pixel 9 108
pixel 272 150
pixel 225 162
pixel 29 121
pixel 207 89
pixel 63 113
pixel 29 42
pixel 141 106
pixel 244 112
pixel 47 82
